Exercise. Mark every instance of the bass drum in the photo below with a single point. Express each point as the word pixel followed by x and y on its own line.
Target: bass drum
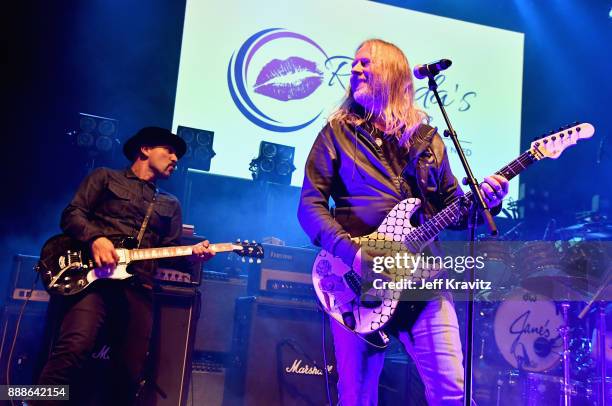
pixel 526 329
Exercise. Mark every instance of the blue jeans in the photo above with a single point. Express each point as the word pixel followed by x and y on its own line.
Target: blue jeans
pixel 433 343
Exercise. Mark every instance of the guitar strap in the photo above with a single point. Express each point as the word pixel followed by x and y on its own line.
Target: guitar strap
pixel 145 222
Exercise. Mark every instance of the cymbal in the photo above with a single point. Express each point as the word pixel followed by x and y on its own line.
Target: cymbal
pixel 559 287
pixel 585 226
pixel 588 231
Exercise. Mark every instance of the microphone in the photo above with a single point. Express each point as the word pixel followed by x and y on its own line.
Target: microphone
pixel 431 69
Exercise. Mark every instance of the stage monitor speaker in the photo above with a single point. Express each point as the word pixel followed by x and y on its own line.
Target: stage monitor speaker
pixel 278 356
pixel 177 312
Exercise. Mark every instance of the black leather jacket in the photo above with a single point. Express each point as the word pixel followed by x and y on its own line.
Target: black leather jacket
pixel 366 178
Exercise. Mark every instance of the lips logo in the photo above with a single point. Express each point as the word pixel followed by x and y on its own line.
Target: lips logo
pixel 284 96
pixel 293 78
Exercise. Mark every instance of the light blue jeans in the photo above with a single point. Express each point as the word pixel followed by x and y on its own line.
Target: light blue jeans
pixel 435 347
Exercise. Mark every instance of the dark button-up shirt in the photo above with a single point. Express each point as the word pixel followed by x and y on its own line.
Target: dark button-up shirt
pixel 113 203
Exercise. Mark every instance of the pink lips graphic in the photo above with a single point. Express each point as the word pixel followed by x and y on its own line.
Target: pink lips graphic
pixel 292 79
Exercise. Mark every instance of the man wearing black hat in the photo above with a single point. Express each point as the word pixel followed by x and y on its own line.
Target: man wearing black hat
pixel 109 205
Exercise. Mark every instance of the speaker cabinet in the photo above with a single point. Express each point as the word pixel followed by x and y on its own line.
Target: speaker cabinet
pixel 278 355
pixel 263 206
pixel 177 311
pixel 24 360
pixel 207 381
pixel 219 293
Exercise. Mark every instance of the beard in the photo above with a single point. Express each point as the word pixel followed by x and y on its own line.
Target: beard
pixel 368 102
pixel 365 97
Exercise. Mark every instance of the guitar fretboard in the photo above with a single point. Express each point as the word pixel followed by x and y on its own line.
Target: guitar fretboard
pixel 178 251
pixel 459 207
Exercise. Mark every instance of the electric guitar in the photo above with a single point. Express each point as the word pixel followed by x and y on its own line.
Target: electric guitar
pixel 66 266
pixel 367 308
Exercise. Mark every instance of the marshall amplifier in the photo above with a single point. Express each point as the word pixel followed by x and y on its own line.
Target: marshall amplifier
pixel 26 339
pixel 277 356
pixel 284 271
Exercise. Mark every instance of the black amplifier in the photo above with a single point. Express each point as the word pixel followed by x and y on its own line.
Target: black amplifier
pixel 24 283
pixel 277 355
pixel 284 271
pixel 183 277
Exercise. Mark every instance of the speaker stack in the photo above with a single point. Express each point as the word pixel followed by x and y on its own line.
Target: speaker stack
pixel 178 309
pixel 278 356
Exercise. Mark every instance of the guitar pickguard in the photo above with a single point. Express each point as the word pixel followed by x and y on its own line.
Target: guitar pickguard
pixel 336 286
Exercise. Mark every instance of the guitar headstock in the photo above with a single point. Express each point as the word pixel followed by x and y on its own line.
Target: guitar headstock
pixel 552 145
pixel 248 249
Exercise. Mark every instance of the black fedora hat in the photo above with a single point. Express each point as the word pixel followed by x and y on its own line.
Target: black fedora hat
pixel 153 137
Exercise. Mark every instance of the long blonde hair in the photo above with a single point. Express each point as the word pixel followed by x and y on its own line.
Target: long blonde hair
pixel 392 83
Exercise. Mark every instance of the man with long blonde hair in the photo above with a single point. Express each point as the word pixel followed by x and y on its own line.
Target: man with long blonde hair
pixel 375 151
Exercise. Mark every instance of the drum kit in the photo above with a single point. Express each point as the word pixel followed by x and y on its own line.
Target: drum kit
pixel 547 316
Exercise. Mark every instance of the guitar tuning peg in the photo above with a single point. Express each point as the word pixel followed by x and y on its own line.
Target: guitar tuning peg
pixel 254 242
pixel 246 241
pixel 243 260
pixel 258 261
pixel 250 260
pixel 237 239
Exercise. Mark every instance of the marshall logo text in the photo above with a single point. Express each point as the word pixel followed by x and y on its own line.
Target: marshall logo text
pixel 102 354
pixel 298 369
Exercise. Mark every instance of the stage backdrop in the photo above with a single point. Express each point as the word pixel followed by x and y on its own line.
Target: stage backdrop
pixel 271 70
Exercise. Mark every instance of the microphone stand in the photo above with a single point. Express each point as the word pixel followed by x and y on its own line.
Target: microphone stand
pixel 478 205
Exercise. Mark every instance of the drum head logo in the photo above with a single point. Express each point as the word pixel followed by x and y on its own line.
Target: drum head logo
pixel 280 80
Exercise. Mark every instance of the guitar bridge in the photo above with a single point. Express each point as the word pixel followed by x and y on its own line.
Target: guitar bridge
pixel 353 280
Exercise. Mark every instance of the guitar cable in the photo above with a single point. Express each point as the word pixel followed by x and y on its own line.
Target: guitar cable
pixel 17 326
pixel 325 370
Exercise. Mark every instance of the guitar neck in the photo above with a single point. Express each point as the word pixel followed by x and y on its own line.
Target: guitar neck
pixel 171 252
pixel 459 207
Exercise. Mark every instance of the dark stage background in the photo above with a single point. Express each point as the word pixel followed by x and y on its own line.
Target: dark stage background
pixel 120 59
